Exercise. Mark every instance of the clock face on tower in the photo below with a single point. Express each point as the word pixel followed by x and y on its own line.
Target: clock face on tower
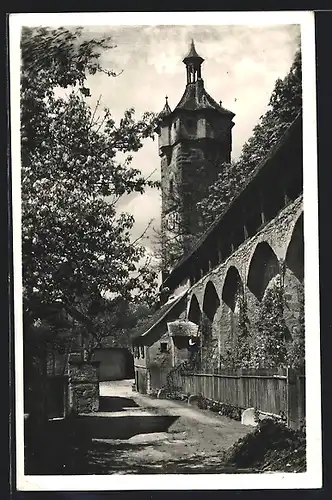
pixel 172 221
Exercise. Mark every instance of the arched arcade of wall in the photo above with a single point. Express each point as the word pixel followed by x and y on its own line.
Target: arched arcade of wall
pixel 194 312
pixel 211 303
pixel 232 300
pixel 263 269
pixel 294 277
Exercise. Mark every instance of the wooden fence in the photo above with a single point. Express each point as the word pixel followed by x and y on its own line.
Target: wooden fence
pixel 278 392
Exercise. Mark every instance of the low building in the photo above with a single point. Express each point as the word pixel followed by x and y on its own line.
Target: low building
pixel 153 346
pixel 115 363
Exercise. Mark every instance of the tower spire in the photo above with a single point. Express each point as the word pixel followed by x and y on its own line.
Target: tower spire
pixel 193 63
pixel 166 109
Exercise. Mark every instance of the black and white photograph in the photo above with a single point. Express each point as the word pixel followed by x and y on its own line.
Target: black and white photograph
pixel 165 250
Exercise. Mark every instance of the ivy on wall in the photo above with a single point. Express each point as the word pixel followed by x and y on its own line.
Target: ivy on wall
pixel 268 343
pixel 243 349
pixel 240 354
pixel 269 348
pixel 296 351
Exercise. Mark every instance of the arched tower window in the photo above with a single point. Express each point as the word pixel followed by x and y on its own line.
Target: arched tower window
pixel 264 266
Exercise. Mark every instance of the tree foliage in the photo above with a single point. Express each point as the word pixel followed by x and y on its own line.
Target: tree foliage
pixel 167 250
pixel 296 350
pixel 284 105
pixel 267 342
pixel 239 355
pixel 76 246
pixel 269 349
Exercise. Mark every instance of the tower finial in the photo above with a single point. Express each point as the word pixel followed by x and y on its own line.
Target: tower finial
pixel 166 109
pixel 193 62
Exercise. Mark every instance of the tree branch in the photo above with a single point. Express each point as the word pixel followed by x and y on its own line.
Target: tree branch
pixel 94 111
pixel 143 233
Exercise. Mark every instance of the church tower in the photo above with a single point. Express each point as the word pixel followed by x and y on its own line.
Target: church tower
pixel 194 140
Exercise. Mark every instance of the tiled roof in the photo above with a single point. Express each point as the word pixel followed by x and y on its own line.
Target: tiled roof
pixel 163 313
pixel 166 110
pixel 192 54
pixel 195 98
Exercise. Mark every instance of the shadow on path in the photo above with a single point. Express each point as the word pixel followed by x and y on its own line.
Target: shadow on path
pixel 115 403
pixel 101 458
pixel 67 446
pixel 122 427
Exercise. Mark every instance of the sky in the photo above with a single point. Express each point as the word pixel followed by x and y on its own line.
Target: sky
pixel 241 66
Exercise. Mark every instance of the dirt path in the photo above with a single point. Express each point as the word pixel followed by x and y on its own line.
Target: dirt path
pixel 133 433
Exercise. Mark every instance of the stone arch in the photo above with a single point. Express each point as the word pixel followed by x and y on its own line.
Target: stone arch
pixel 232 287
pixel 194 313
pixel 232 293
pixel 211 301
pixel 264 266
pixel 295 252
pixel 294 279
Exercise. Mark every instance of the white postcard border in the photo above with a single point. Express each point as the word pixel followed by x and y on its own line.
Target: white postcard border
pixel 313 477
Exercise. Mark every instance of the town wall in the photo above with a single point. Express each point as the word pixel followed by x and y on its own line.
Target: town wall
pixel 274 252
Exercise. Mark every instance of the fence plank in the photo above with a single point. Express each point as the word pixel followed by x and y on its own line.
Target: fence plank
pixel 271 391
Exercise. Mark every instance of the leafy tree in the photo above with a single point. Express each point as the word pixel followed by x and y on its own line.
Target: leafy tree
pixel 114 324
pixel 243 341
pixel 284 105
pixel 220 193
pixel 167 250
pixel 76 247
pixel 239 355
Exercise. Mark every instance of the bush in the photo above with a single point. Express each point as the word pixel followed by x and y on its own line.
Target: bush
pixel 225 409
pixel 272 446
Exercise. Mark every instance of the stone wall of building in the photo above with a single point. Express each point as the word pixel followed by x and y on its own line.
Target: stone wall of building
pixel 160 355
pixel 191 164
pixel 83 395
pixel 141 380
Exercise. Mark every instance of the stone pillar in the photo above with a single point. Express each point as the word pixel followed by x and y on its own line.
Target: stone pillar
pixel 148 382
pixel 172 351
pixel 83 393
